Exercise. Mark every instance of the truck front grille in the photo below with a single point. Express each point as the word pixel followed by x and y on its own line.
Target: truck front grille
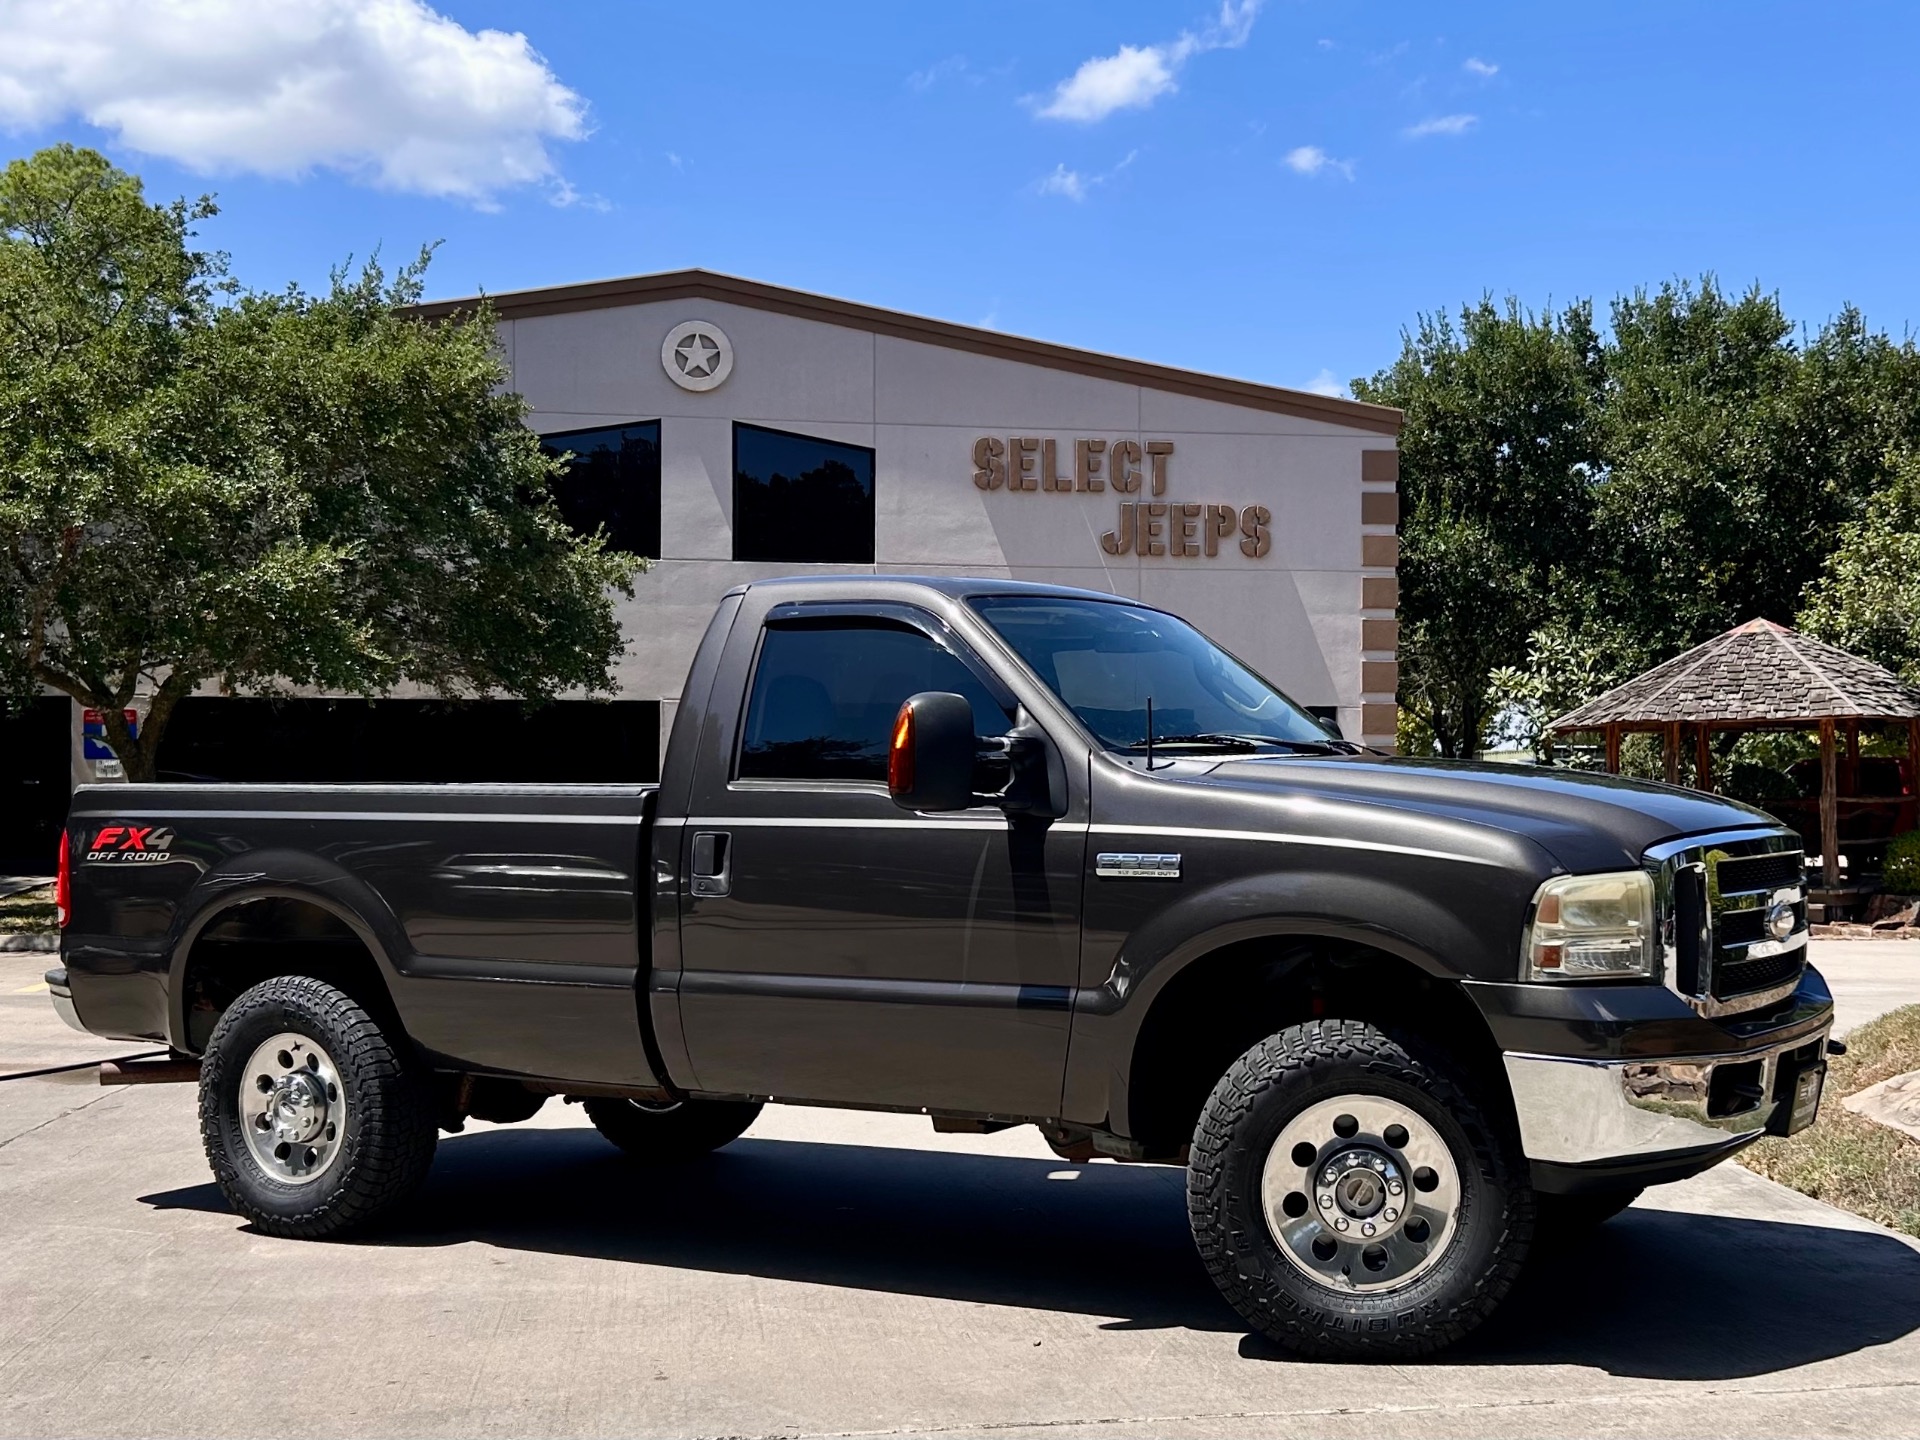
pixel 1716 898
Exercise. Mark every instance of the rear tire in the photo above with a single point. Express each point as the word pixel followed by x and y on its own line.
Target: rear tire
pixel 315 1121
pixel 1335 1124
pixel 663 1134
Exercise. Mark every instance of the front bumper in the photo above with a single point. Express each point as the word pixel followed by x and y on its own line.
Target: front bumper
pixel 1629 1116
pixel 1631 1089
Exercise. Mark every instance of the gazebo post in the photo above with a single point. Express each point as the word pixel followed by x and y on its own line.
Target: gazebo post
pixel 1672 748
pixel 1613 749
pixel 1702 759
pixel 1853 757
pixel 1829 808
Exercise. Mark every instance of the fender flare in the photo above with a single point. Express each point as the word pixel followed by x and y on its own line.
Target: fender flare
pixel 281 875
pixel 1318 904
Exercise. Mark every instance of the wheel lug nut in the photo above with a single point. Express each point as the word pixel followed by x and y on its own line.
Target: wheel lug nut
pixel 1367 1229
pixel 1326 1202
pixel 1393 1187
pixel 1389 1214
pixel 1341 1223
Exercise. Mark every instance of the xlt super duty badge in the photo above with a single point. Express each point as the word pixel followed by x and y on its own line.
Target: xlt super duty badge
pixel 1128 866
pixel 126 844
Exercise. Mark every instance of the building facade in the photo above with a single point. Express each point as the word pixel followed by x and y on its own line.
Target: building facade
pixel 786 433
pixel 730 430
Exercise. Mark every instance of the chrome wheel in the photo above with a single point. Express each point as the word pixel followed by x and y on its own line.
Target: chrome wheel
pixel 1361 1193
pixel 293 1108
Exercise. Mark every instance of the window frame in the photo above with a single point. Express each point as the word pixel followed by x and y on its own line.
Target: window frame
pixel 838 614
pixel 873 497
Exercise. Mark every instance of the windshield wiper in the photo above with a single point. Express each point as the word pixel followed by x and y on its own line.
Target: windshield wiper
pixel 1242 742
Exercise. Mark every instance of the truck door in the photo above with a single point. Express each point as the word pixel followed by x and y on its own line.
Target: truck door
pixel 837 948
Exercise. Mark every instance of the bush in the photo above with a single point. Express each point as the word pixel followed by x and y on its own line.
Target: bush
pixel 1901 872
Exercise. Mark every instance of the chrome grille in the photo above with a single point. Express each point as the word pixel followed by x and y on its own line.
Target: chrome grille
pixel 1715 895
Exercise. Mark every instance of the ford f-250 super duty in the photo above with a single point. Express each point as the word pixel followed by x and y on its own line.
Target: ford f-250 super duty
pixel 1003 854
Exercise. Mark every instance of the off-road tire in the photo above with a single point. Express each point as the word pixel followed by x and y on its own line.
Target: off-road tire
pixel 667 1134
pixel 389 1136
pixel 1263 1090
pixel 1571 1218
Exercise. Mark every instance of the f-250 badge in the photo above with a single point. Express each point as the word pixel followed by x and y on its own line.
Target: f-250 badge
pixel 131 845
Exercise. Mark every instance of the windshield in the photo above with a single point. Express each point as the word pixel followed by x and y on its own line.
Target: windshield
pixel 1107 661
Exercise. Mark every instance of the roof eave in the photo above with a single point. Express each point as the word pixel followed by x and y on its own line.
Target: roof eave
pixel 755 294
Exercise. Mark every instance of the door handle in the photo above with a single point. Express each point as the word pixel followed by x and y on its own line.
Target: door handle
pixel 712 863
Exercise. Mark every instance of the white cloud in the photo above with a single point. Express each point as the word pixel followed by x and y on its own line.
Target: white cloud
pixel 1076 185
pixel 1312 160
pixel 387 91
pixel 1441 125
pixel 953 67
pixel 1070 183
pixel 1485 69
pixel 1325 383
pixel 1135 76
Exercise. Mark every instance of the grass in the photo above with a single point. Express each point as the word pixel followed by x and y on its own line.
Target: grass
pixel 28 913
pixel 1846 1159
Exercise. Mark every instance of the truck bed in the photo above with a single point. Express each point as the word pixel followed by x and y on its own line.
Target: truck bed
pixel 507 920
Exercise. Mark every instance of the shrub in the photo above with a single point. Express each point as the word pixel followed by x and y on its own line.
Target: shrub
pixel 1901 872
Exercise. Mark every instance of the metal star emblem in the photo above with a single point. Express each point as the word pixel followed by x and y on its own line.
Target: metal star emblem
pixel 696 356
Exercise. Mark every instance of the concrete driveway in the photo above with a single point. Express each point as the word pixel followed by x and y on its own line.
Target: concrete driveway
pixel 837 1273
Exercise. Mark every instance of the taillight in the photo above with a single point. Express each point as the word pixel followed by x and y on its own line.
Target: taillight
pixel 900 756
pixel 63 881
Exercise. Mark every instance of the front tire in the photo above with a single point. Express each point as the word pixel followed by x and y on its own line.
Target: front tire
pixel 665 1133
pixel 315 1121
pixel 1351 1198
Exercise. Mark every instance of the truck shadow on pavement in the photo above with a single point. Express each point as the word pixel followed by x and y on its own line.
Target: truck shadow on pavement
pixel 1654 1294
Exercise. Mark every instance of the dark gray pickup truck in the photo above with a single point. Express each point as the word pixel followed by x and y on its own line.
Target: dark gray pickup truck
pixel 1001 854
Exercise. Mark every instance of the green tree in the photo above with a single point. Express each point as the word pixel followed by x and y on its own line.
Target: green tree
pixel 1867 596
pixel 1731 455
pixel 1495 494
pixel 261 491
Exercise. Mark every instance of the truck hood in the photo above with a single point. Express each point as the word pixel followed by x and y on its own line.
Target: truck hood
pixel 1586 822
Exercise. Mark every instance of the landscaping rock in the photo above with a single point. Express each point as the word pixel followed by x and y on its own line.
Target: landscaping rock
pixel 47 943
pixel 1894 1103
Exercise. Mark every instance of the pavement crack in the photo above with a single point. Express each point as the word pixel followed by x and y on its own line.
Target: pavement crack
pixel 55 1119
pixel 1550 1402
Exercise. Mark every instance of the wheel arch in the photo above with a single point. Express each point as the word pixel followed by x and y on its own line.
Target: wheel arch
pixel 1215 995
pixel 274 913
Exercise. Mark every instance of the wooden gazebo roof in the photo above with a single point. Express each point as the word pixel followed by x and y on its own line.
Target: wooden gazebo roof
pixel 1758 673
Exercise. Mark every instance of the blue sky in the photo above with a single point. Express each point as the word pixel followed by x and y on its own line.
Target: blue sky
pixel 1269 190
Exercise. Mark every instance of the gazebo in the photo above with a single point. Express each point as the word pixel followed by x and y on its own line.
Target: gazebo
pixel 1759 676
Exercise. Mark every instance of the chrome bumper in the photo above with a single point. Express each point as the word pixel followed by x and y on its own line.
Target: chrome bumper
pixel 1578 1112
pixel 62 995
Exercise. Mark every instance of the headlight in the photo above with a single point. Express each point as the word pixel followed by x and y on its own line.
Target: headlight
pixel 1591 927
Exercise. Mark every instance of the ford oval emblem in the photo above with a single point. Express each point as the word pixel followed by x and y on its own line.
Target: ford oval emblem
pixel 1780 919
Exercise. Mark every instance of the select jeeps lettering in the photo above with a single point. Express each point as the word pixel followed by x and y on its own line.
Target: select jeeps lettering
pixel 131 845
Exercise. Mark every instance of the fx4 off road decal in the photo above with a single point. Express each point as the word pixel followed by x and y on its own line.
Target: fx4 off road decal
pixel 130 844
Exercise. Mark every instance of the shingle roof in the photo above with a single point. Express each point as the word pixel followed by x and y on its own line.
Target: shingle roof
pixel 1756 671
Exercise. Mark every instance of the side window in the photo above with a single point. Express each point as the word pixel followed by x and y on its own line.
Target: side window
pixel 799 499
pixel 612 482
pixel 824 699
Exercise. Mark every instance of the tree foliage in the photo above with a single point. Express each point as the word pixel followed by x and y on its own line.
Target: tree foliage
pixel 260 490
pixel 1867 597
pixel 1579 505
pixel 1499 431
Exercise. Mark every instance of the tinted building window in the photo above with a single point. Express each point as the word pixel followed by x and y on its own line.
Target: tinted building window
pixel 311 741
pixel 825 697
pixel 800 499
pixel 612 482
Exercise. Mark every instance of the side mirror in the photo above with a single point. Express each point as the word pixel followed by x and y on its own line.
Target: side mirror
pixel 930 762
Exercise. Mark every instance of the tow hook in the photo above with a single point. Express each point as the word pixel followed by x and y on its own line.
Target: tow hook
pixel 1836 1047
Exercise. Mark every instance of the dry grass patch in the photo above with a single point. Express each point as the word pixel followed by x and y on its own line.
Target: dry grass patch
pixel 29 912
pixel 1846 1159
